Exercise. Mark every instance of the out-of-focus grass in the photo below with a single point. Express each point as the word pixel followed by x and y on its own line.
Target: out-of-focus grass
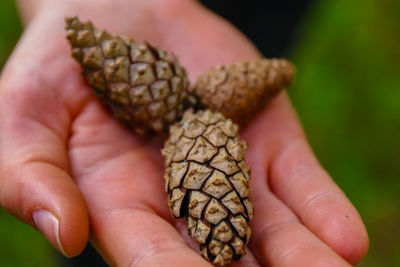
pixel 348 97
pixel 22 246
pixel 347 94
pixel 10 29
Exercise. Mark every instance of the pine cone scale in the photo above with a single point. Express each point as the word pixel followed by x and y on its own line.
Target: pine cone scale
pixel 154 84
pixel 204 161
pixel 241 89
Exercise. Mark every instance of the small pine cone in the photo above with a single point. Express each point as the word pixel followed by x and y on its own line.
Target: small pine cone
pixel 207 180
pixel 241 89
pixel 142 85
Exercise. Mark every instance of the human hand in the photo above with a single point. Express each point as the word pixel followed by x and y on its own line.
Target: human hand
pixel 61 152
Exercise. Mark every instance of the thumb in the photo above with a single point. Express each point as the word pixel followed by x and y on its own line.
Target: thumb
pixel 34 182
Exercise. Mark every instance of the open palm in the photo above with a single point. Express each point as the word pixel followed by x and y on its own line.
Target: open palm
pixel 61 152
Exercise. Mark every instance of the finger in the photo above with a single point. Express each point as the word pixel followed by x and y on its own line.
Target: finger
pixel 279 238
pixel 296 177
pixel 34 182
pixel 138 237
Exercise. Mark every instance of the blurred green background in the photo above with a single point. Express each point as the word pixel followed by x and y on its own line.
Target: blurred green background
pixel 348 97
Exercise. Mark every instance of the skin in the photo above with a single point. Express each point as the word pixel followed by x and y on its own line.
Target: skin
pixel 62 152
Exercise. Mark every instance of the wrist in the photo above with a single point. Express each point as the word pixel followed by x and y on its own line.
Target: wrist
pixel 30 8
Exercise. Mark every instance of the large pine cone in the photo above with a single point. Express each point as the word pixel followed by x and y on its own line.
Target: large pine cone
pixel 142 85
pixel 241 89
pixel 207 180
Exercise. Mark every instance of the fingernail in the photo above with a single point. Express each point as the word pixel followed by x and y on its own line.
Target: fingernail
pixel 49 225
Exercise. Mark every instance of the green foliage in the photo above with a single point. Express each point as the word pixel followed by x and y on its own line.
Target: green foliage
pixel 22 246
pixel 347 94
pixel 10 29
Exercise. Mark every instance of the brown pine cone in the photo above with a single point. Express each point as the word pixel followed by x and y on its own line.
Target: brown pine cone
pixel 241 89
pixel 207 180
pixel 143 86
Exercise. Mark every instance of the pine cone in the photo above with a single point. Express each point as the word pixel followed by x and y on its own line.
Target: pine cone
pixel 142 85
pixel 207 180
pixel 241 89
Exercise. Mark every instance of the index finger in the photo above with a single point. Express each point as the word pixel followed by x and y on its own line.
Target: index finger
pixel 297 179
